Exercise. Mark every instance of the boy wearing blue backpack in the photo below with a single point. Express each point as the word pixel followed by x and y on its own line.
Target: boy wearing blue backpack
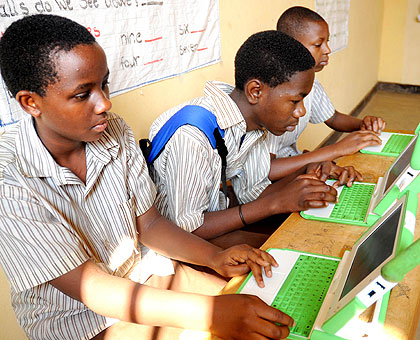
pixel 273 73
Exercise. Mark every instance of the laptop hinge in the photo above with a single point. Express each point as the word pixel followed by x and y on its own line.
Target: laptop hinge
pixel 375 196
pixel 329 297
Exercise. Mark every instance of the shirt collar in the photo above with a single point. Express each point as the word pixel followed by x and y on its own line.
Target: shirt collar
pixel 34 160
pixel 226 111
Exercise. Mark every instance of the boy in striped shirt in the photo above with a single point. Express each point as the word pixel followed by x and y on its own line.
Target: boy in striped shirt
pixel 77 214
pixel 273 73
pixel 310 29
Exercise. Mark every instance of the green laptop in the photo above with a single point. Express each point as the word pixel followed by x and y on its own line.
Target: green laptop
pixel 323 294
pixel 392 144
pixel 364 203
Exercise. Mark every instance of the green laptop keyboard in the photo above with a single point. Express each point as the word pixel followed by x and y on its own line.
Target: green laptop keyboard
pixel 353 203
pixel 304 290
pixel 396 144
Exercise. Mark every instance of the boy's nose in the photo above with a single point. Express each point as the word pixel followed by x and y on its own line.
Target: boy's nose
pixel 300 110
pixel 327 49
pixel 103 104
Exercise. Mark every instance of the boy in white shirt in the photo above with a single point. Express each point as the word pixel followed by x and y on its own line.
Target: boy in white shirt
pixel 273 73
pixel 310 29
pixel 77 212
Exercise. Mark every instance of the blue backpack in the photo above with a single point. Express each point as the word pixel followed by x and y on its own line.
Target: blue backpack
pixel 196 116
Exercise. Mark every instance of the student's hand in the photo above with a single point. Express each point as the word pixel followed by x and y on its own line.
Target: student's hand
pixel 240 259
pixel 344 175
pixel 304 192
pixel 247 317
pixel 372 123
pixel 356 141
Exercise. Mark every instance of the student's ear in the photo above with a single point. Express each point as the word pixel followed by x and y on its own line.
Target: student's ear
pixel 253 91
pixel 27 100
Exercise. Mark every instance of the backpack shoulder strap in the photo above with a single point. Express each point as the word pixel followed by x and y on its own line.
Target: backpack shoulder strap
pixel 193 115
pixel 196 116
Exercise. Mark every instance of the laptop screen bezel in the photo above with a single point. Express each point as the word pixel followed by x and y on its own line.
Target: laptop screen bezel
pixel 337 304
pixel 388 172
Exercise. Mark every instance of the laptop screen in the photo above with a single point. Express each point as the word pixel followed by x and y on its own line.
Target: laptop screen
pixel 399 165
pixel 373 251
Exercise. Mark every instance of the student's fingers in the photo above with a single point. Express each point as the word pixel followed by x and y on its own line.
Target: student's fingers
pixel 261 257
pixel 272 314
pixel 331 170
pixel 269 330
pixel 321 170
pixel 353 175
pixel 358 140
pixel 310 176
pixel 238 260
pixel 247 317
pixel 376 124
pixel 236 270
pixel 348 169
pixel 257 273
pixel 382 124
pixel 318 196
pixel 369 136
pixel 315 204
pixel 258 259
pixel 342 178
pixel 367 123
pixel 325 197
pixel 310 185
pixel 347 176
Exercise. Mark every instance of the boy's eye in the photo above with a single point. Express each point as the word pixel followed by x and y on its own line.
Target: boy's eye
pixel 82 95
pixel 105 84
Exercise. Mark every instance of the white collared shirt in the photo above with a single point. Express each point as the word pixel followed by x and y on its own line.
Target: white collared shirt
pixel 187 173
pixel 51 223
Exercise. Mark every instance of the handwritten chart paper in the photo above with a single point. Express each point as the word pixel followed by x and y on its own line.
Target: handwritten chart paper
pixel 336 14
pixel 145 41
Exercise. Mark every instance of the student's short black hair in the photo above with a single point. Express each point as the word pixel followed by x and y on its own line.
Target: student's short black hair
pixel 294 20
pixel 272 57
pixel 29 46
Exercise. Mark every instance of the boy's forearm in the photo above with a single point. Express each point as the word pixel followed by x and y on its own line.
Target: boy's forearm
pixel 129 301
pixel 217 223
pixel 285 166
pixel 167 239
pixel 296 165
pixel 343 123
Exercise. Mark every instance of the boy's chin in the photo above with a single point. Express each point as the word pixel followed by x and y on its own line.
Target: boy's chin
pixel 278 133
pixel 319 68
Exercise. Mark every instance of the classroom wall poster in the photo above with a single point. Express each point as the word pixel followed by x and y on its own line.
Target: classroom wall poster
pixel 336 14
pixel 145 41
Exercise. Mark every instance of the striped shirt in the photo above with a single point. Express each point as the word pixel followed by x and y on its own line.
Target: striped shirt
pixel 51 222
pixel 318 109
pixel 187 173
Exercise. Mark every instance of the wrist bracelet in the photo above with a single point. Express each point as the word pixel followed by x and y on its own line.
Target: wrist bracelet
pixel 242 216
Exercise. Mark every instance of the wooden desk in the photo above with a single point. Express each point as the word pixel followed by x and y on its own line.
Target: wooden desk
pixel 333 239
